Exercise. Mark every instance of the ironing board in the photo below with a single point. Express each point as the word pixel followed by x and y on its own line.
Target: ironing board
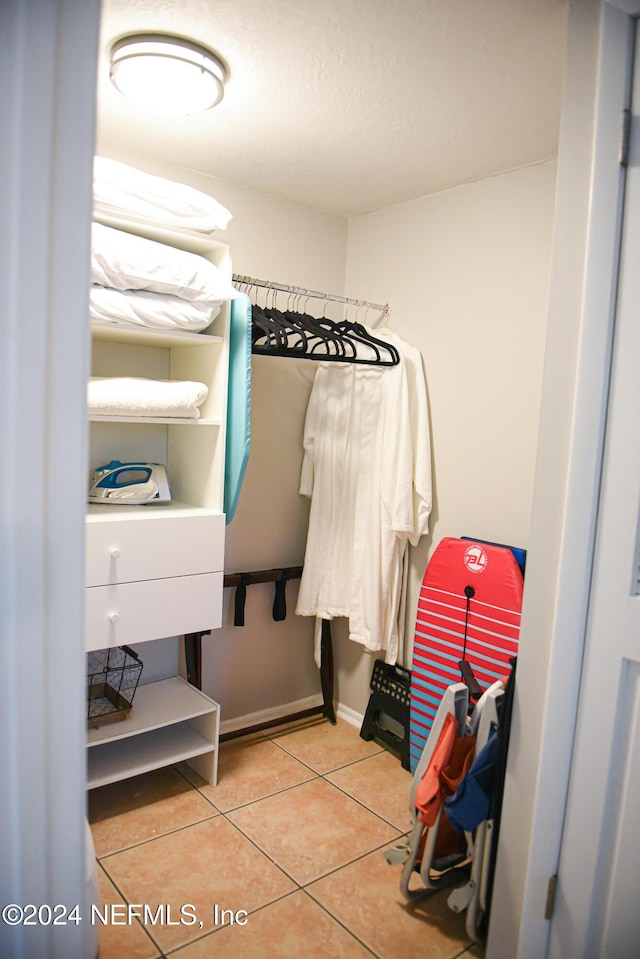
pixel 239 402
pixel 488 613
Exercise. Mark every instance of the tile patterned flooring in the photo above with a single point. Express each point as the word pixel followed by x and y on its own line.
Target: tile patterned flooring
pixel 290 844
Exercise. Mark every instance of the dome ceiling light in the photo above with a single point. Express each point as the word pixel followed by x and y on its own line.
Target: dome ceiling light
pixel 167 74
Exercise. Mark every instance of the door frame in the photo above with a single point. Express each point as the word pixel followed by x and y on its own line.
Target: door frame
pixel 590 193
pixel 48 56
pixel 56 51
pixel 595 913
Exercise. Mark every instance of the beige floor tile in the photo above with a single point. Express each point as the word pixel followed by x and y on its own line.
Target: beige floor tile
pixel 292 928
pixel 196 779
pixel 134 810
pixel 206 865
pixel 325 747
pixel 118 937
pixel 312 829
pixel 365 897
pixel 248 771
pixel 381 784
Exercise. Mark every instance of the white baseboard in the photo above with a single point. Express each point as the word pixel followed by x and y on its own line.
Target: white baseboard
pixel 350 715
pixel 279 712
pixel 268 715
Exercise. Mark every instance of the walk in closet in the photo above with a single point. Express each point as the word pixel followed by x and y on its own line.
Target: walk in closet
pixel 424 263
pixel 412 157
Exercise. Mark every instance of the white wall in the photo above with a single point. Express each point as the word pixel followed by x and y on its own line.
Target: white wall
pixel 466 273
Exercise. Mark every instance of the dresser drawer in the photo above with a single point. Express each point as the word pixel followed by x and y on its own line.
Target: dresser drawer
pixel 132 613
pixel 147 543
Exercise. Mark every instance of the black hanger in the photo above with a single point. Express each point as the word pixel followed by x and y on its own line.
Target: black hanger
pixel 295 333
pixel 309 338
pixel 319 333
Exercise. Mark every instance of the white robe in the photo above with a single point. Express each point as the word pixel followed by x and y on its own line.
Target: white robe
pixel 367 470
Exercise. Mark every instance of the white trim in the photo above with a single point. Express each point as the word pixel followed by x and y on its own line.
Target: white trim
pixel 269 715
pixel 350 716
pixel 48 55
pixel 278 712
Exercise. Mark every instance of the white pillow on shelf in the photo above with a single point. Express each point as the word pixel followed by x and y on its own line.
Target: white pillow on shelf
pixel 121 190
pixel 157 311
pixel 124 261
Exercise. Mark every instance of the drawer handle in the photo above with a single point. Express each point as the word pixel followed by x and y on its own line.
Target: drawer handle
pixel 114 617
pixel 115 552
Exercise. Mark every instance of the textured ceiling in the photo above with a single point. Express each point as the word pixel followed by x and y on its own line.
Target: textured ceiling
pixel 350 106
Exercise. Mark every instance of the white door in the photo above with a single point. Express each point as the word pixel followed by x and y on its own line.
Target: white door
pixel 597 910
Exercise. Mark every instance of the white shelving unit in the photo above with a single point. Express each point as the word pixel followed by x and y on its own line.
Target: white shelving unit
pixel 171 722
pixel 157 571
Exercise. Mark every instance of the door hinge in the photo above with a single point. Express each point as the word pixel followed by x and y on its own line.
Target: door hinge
pixel 551 896
pixel 625 135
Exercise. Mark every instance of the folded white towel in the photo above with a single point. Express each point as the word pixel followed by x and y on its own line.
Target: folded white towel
pixel 139 396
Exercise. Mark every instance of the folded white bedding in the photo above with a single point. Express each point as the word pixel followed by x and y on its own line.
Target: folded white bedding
pixel 122 190
pixel 139 396
pixel 158 311
pixel 124 261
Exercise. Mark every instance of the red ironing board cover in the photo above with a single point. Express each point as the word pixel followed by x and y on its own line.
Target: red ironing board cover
pixel 493 625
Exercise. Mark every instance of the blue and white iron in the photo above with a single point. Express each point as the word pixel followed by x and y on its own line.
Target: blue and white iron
pixel 129 484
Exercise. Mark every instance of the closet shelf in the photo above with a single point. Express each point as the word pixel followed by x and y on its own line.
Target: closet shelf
pixel 166 420
pixel 102 512
pixel 201 243
pixel 151 750
pixel 170 722
pixel 149 337
pixel 156 705
pixel 156 570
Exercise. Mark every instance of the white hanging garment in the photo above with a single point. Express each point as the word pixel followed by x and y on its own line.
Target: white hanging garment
pixel 367 470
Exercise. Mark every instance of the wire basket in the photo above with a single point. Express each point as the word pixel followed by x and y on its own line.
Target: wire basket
pixel 112 679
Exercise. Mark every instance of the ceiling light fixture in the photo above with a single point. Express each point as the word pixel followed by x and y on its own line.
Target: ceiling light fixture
pixel 167 74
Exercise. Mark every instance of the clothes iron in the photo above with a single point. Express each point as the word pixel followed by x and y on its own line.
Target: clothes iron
pixel 129 484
